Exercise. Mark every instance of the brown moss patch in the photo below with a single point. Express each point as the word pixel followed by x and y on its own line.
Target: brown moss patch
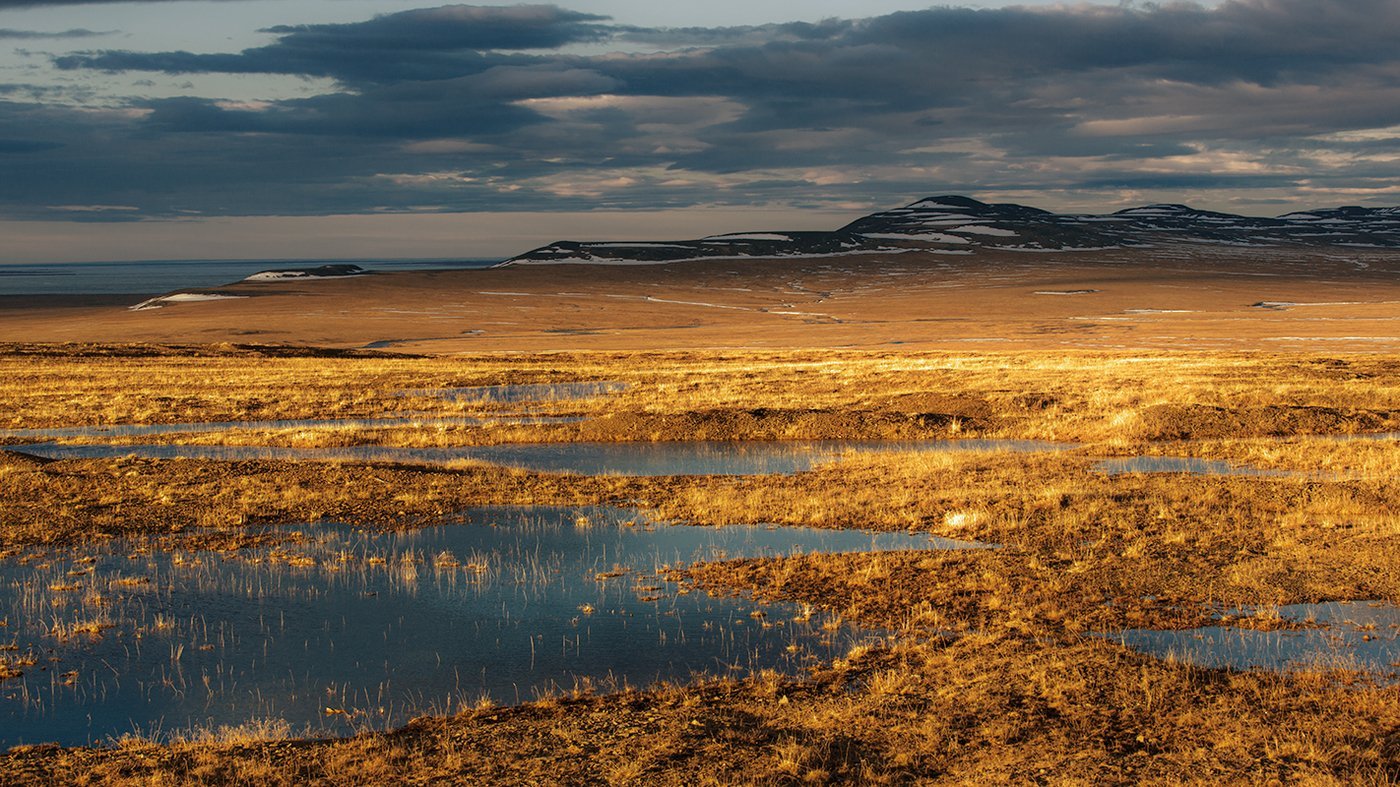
pixel 769 424
pixel 1197 421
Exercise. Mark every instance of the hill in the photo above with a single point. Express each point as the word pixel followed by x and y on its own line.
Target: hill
pixel 959 225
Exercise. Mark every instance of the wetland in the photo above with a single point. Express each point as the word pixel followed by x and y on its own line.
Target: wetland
pixel 706 568
pixel 334 630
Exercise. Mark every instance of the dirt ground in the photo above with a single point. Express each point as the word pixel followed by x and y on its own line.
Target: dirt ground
pixel 1173 297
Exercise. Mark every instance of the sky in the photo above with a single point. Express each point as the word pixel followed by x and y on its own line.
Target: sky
pixel 193 129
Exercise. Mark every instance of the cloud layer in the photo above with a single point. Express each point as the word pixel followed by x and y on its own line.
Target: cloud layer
pixel 6 4
pixel 30 35
pixel 466 108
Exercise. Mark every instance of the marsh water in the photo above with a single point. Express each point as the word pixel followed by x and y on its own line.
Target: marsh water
pixel 618 458
pixel 1360 635
pixel 632 459
pixel 517 393
pixel 514 394
pixel 1184 464
pixel 199 427
pixel 347 629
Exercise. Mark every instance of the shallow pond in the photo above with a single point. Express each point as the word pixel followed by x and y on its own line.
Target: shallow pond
pixel 1184 464
pixel 486 394
pixel 522 392
pixel 350 630
pixel 141 430
pixel 1353 635
pixel 632 459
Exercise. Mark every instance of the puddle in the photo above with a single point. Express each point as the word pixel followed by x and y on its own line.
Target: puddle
pixel 355 630
pixel 631 459
pixel 516 394
pixel 1184 464
pixel 1362 436
pixel 142 430
pixel 1354 635
pixel 1200 466
pixel 489 394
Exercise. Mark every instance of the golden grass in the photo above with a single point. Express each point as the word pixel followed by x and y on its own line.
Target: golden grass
pixel 1080 396
pixel 989 680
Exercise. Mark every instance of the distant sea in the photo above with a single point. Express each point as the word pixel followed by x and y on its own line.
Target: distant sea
pixel 160 276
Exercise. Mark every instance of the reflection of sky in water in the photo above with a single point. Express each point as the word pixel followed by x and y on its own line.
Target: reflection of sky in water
pixel 1361 635
pixel 496 394
pixel 521 392
pixel 1182 464
pixel 139 430
pixel 509 603
pixel 636 459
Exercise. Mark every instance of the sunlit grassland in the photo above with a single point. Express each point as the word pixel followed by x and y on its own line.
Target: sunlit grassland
pixel 1061 396
pixel 991 679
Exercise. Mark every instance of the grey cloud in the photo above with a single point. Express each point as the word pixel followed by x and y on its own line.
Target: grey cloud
pixel 344 64
pixel 469 108
pixel 423 44
pixel 27 35
pixel 4 4
pixel 1263 41
pixel 682 37
pixel 482 104
pixel 25 146
pixel 452 28
pixel 402 116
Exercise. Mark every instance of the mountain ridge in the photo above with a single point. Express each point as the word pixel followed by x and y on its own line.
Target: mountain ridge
pixel 957 224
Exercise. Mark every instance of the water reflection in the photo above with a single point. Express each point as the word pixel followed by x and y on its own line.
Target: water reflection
pixel 354 630
pixel 1356 635
pixel 1184 464
pixel 630 459
pixel 142 430
pixel 522 392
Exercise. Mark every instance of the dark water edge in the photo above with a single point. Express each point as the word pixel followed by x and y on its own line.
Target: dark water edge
pixel 47 301
pixel 138 280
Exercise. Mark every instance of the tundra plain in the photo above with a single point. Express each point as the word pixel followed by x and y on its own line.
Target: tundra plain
pixel 1000 665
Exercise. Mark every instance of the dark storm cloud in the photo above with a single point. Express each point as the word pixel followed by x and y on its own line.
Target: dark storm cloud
pixel 423 44
pixel 682 37
pixel 468 108
pixel 346 65
pixel 452 28
pixel 1256 40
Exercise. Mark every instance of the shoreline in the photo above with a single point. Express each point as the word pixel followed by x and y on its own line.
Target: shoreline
pixel 64 301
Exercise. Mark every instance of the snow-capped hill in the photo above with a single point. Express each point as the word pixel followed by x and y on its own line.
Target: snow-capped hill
pixel 955 203
pixel 733 236
pixel 319 272
pixel 1179 212
pixel 1158 209
pixel 741 244
pixel 952 221
pixel 953 224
